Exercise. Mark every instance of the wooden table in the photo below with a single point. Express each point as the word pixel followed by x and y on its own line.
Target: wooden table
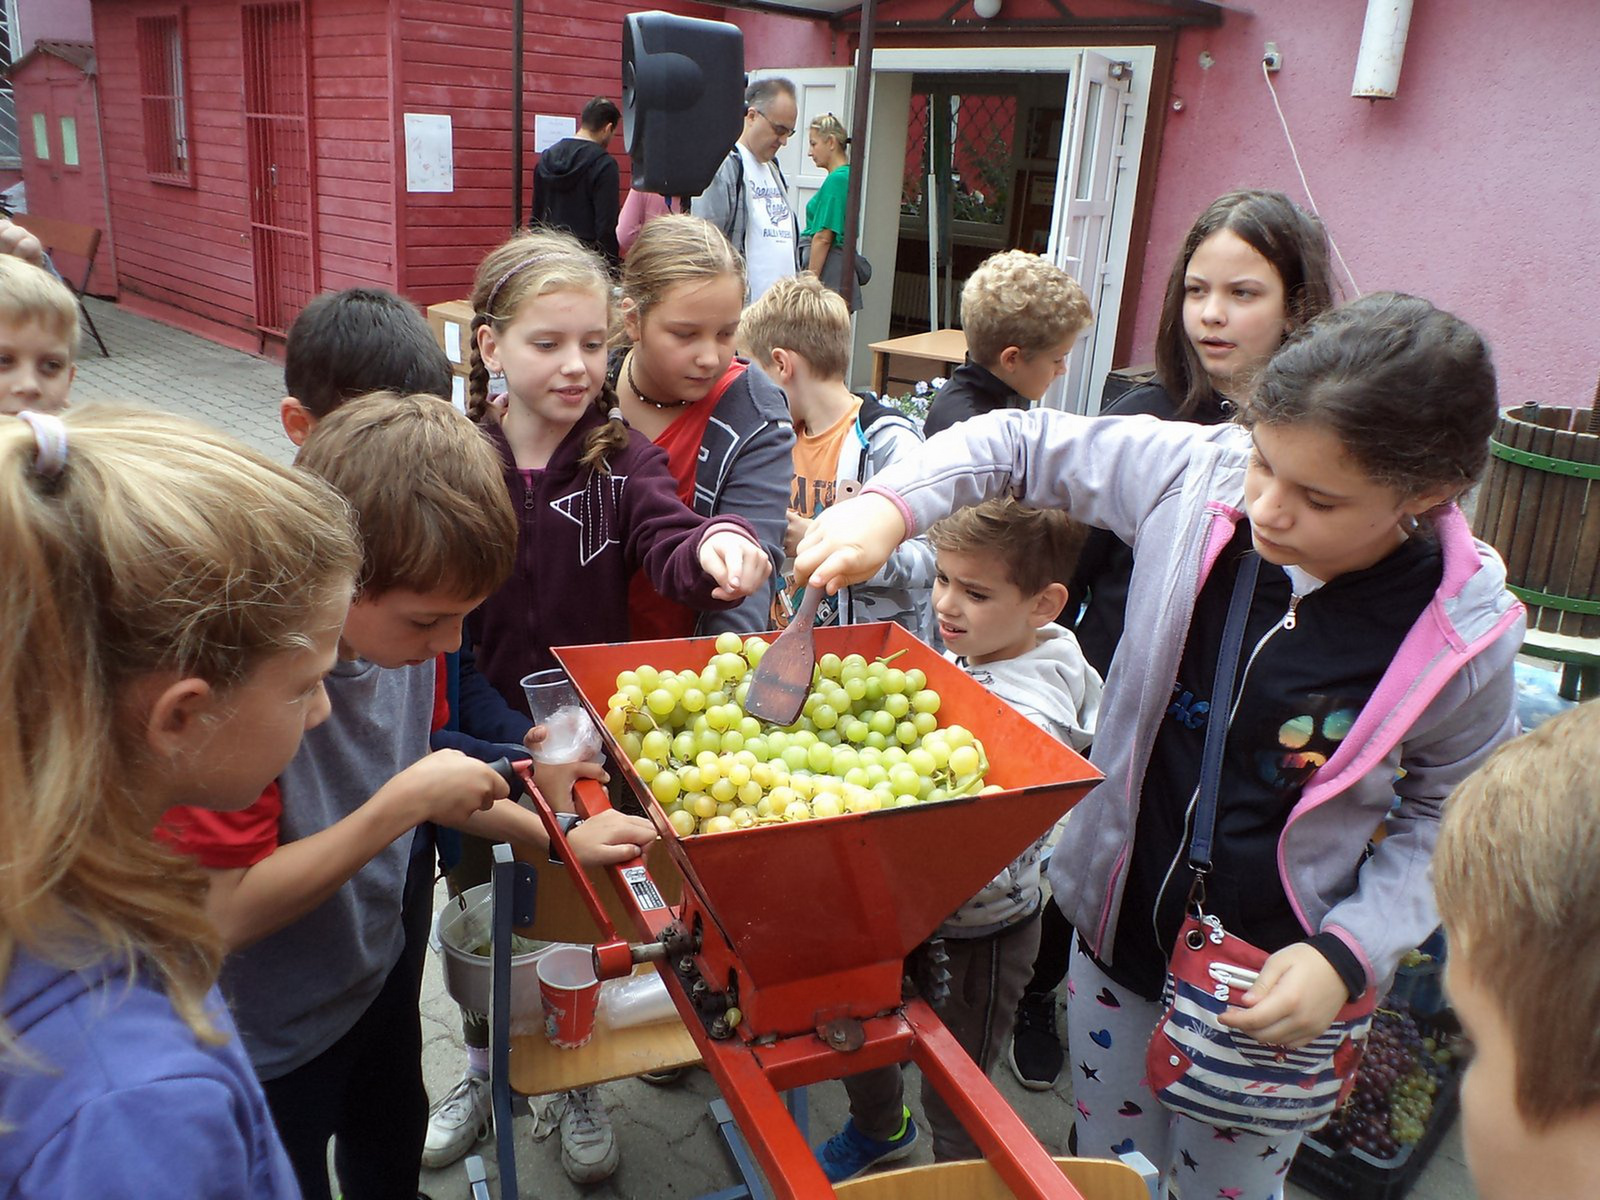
pixel 946 346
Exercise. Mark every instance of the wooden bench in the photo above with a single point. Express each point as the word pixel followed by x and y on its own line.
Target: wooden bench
pixel 76 241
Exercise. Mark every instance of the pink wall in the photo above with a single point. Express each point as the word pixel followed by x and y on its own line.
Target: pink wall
pixel 774 41
pixel 56 20
pixel 1475 187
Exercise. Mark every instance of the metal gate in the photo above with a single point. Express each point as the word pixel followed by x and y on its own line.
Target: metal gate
pixel 279 162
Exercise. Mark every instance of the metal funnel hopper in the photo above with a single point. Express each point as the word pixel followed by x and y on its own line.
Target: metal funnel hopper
pixel 816 917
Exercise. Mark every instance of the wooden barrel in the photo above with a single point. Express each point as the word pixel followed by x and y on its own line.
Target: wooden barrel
pixel 1540 508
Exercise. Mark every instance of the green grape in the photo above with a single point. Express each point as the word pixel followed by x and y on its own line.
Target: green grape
pixel 732 740
pixel 894 681
pixel 844 758
pixel 858 777
pixel 763 775
pixel 632 695
pixel 856 730
pixel 804 738
pixel 749 792
pixel 959 735
pixel 691 778
pixel 825 716
pixel 963 761
pixel 830 665
pixel 777 743
pixel 782 796
pixel 740 692
pixel 641 721
pixel 665 786
pixel 710 680
pixel 719 824
pixel 906 801
pixel 906 733
pixel 874 690
pixel 897 704
pixel 827 804
pixel 683 745
pixel 701 805
pixel 803 784
pixel 730 666
pixel 647 768
pixel 921 761
pixel 893 755
pixel 916 679
pixel 830 737
pixel 877 774
pixel 759 748
pixel 795 757
pixel 725 808
pixel 661 702
pixel 750 727
pixel 718 718
pixel 632 745
pixel 617 721
pixel 743 817
pixel 797 810
pixel 765 808
pixel 926 702
pixel 819 757
pixel 924 723
pixel 754 648
pixel 729 643
pixel 647 677
pixel 694 700
pixel 877 740
pixel 627 679
pixel 904 780
pixel 655 744
pixel 881 722
pixel 737 773
pixel 855 688
pixel 683 824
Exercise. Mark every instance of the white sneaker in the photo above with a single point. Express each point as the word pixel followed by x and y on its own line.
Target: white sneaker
pixel 458 1122
pixel 588 1147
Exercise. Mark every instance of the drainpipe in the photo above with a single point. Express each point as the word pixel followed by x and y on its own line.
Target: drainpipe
pixel 1383 46
pixel 516 113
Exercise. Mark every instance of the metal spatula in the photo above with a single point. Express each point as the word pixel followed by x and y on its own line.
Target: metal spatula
pixel 779 686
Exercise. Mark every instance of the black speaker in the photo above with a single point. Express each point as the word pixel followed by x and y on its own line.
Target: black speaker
pixel 682 99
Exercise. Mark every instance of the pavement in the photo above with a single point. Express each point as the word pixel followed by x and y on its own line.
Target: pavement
pixel 668 1140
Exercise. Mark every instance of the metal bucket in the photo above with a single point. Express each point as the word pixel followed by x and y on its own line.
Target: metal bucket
pixel 462 927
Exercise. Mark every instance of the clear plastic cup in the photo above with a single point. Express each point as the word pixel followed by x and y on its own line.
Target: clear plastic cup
pixel 570 736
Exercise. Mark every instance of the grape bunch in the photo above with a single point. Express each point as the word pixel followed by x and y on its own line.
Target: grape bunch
pixel 1401 1073
pixel 868 737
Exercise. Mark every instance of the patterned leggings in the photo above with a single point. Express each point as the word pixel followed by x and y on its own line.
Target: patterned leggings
pixel 1108 1028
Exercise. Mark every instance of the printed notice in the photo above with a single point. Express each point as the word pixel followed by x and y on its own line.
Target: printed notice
pixel 429 153
pixel 547 131
pixel 458 393
pixel 644 888
pixel 452 341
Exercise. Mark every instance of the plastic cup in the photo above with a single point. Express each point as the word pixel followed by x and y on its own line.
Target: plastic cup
pixel 570 993
pixel 570 736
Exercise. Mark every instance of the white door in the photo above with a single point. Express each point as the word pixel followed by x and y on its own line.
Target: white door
pixel 1087 190
pixel 818 90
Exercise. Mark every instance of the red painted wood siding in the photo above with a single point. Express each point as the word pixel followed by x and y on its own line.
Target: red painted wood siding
pixel 353 145
pixel 457 60
pixel 185 246
pixel 49 85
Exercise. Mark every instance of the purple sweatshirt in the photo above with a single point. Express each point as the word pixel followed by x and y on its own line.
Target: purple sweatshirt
pixel 583 535
pixel 117 1097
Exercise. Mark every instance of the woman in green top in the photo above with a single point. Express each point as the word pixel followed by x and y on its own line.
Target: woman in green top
pixel 825 210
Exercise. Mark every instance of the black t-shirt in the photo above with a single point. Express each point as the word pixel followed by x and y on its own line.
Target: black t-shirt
pixel 1299 691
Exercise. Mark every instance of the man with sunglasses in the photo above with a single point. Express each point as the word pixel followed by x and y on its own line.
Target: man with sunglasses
pixel 749 198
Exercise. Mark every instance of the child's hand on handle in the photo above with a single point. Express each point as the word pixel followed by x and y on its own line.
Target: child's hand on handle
pixel 611 837
pixel 738 564
pixel 446 787
pixel 1295 998
pixel 795 532
pixel 555 780
pixel 850 542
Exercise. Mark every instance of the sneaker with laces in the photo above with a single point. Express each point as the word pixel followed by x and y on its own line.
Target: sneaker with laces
pixel 1036 1055
pixel 850 1152
pixel 458 1122
pixel 588 1145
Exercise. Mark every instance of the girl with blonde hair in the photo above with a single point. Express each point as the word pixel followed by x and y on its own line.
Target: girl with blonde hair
pixel 725 428
pixel 174 601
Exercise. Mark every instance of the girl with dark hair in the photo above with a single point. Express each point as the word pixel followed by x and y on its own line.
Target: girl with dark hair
pixel 1375 674
pixel 1252 268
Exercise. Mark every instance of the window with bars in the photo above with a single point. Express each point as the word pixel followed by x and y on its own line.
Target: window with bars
pixel 161 98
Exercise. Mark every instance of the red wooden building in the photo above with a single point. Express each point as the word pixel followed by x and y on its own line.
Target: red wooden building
pixel 58 120
pixel 257 152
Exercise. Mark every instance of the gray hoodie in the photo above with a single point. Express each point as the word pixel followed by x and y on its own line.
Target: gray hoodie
pixel 1054 686
pixel 1175 492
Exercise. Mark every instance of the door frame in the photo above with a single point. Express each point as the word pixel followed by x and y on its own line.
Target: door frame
pixel 892 68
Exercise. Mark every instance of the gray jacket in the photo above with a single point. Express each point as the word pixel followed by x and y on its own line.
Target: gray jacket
pixel 723 203
pixel 1175 492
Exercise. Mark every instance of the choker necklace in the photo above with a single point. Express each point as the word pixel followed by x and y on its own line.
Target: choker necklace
pixel 655 404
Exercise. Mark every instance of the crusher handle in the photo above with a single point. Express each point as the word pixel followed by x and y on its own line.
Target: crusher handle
pixel 613 957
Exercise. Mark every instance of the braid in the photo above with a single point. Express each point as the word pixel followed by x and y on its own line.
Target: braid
pixel 478 379
pixel 608 439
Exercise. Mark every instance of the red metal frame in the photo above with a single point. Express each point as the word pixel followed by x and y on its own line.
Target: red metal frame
pixel 819 991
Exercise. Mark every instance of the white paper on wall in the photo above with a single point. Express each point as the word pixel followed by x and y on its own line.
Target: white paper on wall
pixel 452 341
pixel 547 131
pixel 429 153
pixel 458 393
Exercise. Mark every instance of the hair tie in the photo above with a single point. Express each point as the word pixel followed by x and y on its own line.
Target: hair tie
pixel 488 305
pixel 50 443
pixel 616 415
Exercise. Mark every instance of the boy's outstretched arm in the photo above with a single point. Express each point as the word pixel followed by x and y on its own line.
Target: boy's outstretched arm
pixel 249 903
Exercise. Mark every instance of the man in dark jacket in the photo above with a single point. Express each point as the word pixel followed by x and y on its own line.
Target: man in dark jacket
pixel 575 185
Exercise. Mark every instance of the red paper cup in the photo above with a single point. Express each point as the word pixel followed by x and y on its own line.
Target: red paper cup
pixel 570 993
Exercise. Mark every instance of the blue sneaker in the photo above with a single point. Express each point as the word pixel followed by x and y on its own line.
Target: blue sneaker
pixel 850 1152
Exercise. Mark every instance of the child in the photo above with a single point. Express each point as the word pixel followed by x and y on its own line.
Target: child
pixel 1380 642
pixel 1002 578
pixel 799 334
pixel 725 428
pixel 1022 315
pixel 1253 267
pixel 38 339
pixel 173 602
pixel 308 888
pixel 596 503
pixel 1516 876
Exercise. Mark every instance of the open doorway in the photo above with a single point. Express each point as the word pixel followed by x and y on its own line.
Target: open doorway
pixel 982 156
